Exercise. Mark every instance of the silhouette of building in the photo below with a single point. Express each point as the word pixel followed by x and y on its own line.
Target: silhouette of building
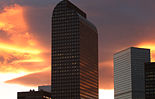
pixel 150 80
pixel 34 95
pixel 74 54
pixel 129 73
pixel 46 88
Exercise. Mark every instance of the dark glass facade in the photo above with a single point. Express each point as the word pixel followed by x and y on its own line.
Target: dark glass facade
pixel 74 54
pixel 150 80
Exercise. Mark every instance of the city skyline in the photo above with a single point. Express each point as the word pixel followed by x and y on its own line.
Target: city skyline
pixel 120 25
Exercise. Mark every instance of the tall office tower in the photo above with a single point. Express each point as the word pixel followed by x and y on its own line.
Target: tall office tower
pixel 129 73
pixel 74 54
pixel 150 80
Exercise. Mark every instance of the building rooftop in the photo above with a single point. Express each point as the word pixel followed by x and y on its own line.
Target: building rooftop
pixel 130 48
pixel 72 6
pixel 33 93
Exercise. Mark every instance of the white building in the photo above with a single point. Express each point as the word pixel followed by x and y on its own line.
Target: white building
pixel 129 73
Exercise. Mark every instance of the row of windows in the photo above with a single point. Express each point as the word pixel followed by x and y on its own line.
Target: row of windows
pixel 69 91
pixel 66 50
pixel 64 30
pixel 74 43
pixel 65 33
pixel 150 78
pixel 62 75
pixel 59 18
pixel 65 67
pixel 68 68
pixel 62 10
pixel 62 81
pixel 64 54
pixel 71 51
pixel 64 57
pixel 63 36
pixel 150 92
pixel 149 86
pixel 67 84
pixel 69 39
pixel 65 71
pixel 65 20
pixel 153 73
pixel 65 62
pixel 65 25
pixel 64 14
pixel 65 80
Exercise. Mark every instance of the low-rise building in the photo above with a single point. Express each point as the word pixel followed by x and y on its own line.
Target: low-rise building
pixel 34 95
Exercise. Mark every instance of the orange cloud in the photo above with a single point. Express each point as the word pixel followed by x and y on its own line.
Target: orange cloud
pixel 13 23
pixel 19 49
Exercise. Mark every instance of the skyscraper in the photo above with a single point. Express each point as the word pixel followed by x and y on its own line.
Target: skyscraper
pixel 150 80
pixel 129 73
pixel 74 54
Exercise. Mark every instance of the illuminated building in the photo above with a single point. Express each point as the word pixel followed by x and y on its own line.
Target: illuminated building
pixel 74 54
pixel 150 80
pixel 129 73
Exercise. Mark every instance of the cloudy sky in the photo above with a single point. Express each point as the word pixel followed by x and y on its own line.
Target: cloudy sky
pixel 25 31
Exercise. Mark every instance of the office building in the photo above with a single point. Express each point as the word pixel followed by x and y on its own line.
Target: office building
pixel 46 88
pixel 34 95
pixel 129 73
pixel 74 54
pixel 150 80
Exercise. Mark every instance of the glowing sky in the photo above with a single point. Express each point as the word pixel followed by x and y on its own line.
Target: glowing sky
pixel 25 27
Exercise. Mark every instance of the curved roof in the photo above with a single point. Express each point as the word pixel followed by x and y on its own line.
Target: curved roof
pixel 72 6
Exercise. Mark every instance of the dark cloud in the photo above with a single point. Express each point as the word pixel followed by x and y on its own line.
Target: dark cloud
pixel 39 21
pixel 35 3
pixel 4 35
pixel 121 24
pixel 11 59
pixel 2 59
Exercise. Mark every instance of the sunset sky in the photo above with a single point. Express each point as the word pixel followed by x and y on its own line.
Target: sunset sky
pixel 25 43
